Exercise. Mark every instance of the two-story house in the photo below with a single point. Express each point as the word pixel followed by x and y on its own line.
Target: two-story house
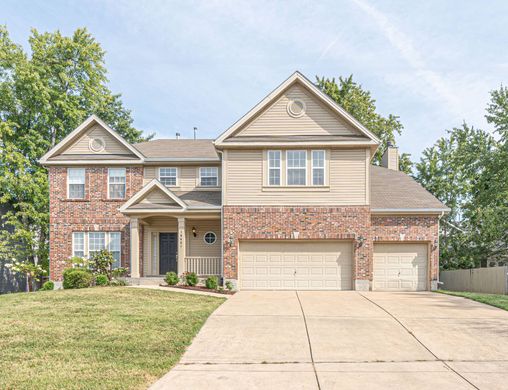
pixel 286 198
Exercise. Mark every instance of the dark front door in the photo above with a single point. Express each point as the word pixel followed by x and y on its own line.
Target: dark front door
pixel 167 252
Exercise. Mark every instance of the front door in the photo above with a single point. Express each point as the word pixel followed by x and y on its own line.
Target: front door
pixel 167 252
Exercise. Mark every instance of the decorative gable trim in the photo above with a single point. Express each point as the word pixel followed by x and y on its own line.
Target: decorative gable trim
pixel 295 77
pixel 146 189
pixel 67 141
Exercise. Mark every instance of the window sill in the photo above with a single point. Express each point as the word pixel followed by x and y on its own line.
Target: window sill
pixel 205 188
pixel 76 200
pixel 296 188
pixel 114 200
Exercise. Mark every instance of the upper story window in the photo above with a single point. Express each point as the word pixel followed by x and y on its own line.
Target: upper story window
pixel 116 183
pixel 318 167
pixel 76 183
pixel 274 158
pixel 296 161
pixel 208 177
pixel 168 176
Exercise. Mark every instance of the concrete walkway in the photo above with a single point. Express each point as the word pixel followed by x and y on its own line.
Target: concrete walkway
pixel 346 340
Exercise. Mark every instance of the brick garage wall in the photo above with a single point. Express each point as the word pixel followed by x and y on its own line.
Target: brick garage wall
pixel 94 213
pixel 312 223
pixel 409 229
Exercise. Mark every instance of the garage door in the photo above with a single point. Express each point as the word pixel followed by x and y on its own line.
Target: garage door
pixel 284 265
pixel 400 267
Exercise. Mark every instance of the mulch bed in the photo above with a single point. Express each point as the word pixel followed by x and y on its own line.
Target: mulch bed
pixel 200 288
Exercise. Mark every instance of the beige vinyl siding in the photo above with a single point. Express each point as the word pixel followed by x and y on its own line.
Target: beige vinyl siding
pixel 187 176
pixel 196 246
pixel 81 146
pixel 347 181
pixel 158 197
pixel 317 120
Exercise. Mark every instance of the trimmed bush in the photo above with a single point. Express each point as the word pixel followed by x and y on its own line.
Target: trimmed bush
pixel 191 278
pixel 229 285
pixel 48 286
pixel 171 278
pixel 212 282
pixel 117 283
pixel 77 278
pixel 101 280
pixel 119 272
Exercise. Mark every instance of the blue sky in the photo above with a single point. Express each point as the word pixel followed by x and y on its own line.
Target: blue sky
pixel 206 63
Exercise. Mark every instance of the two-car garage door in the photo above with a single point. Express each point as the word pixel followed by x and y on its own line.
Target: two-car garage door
pixel 290 265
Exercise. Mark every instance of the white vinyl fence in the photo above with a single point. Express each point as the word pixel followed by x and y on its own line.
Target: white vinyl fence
pixel 492 280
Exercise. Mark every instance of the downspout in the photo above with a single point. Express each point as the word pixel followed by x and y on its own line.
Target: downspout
pixel 438 248
pixel 221 218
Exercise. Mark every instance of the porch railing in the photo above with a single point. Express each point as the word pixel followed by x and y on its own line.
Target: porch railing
pixel 203 265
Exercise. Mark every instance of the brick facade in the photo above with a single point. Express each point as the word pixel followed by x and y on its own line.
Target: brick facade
pixel 329 223
pixel 94 213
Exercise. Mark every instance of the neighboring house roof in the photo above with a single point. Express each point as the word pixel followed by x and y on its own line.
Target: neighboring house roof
pixel 178 149
pixel 297 77
pixel 394 191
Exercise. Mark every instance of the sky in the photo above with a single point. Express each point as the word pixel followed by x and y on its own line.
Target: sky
pixel 180 64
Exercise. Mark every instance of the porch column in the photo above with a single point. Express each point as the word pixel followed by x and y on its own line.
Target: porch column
pixel 181 246
pixel 134 247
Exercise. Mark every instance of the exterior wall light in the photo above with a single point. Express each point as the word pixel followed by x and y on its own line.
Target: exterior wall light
pixel 194 232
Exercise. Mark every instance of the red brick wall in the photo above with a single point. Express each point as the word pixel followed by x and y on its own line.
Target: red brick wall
pixel 410 229
pixel 333 223
pixel 94 213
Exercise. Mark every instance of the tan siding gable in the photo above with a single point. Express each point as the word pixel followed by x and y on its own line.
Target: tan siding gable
pixel 156 196
pixel 317 120
pixel 347 181
pixel 82 145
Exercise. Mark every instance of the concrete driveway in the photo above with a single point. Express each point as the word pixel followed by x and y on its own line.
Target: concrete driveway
pixel 346 340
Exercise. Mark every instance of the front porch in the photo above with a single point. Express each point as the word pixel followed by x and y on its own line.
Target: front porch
pixel 164 243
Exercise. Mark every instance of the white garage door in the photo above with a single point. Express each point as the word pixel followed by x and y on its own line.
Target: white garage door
pixel 400 267
pixel 279 265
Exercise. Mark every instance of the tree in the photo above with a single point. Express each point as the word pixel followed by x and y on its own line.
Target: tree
pixel 359 103
pixel 44 95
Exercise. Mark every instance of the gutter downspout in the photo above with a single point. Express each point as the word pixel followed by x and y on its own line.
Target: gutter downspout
pixel 222 218
pixel 439 249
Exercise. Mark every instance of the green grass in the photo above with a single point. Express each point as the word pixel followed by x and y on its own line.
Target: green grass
pixel 496 300
pixel 98 338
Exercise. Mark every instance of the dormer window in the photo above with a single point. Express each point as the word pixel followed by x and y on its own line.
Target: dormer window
pixel 168 176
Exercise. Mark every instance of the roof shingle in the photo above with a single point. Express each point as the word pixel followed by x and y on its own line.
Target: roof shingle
pixel 178 148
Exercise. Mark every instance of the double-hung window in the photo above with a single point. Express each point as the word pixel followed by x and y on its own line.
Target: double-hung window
pixel 114 247
pixel 116 183
pixel 167 176
pixel 96 242
pixel 208 176
pixel 296 161
pixel 76 183
pixel 274 157
pixel 318 167
pixel 78 244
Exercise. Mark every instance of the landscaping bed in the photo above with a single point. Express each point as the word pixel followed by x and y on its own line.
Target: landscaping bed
pixel 96 338
pixel 200 288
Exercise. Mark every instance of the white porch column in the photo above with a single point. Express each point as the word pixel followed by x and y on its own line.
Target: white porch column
pixel 181 246
pixel 134 247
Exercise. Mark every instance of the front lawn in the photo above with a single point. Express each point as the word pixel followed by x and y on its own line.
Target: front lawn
pixel 96 338
pixel 500 301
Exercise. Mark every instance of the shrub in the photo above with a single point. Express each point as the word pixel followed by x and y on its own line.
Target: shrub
pixel 229 285
pixel 117 283
pixel 77 278
pixel 191 278
pixel 212 282
pixel 102 262
pixel 119 272
pixel 101 280
pixel 48 286
pixel 171 278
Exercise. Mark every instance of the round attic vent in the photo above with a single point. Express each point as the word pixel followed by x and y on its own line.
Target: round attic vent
pixel 296 108
pixel 97 145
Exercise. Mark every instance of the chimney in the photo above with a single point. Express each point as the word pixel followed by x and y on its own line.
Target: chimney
pixel 195 131
pixel 177 135
pixel 390 157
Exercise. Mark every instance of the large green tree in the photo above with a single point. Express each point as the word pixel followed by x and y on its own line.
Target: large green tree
pixel 359 103
pixel 44 95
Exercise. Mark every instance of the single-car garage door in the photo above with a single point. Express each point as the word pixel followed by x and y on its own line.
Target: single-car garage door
pixel 311 265
pixel 400 267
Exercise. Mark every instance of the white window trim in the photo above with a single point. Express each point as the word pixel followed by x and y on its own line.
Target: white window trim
pixel 312 167
pixel 125 192
pixel 177 175
pixel 86 242
pixel 306 168
pixel 210 243
pixel 68 184
pixel 268 167
pixel 199 178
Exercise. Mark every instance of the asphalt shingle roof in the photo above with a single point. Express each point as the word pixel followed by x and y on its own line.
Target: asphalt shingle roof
pixel 178 148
